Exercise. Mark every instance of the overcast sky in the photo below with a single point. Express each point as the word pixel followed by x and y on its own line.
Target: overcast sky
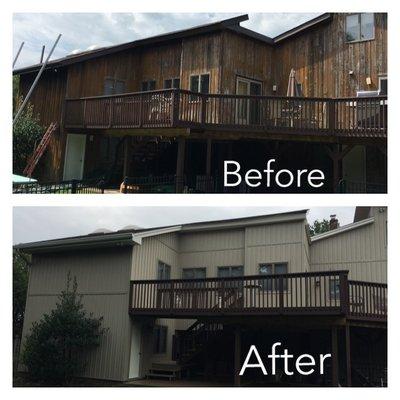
pixel 82 30
pixel 41 223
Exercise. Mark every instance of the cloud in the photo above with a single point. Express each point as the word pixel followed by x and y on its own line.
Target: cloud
pixel 82 30
pixel 41 223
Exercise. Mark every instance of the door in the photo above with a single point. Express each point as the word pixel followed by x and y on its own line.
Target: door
pixel 231 291
pixel 74 157
pixel 134 361
pixel 248 110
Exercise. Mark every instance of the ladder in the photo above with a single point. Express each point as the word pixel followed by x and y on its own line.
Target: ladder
pixel 38 152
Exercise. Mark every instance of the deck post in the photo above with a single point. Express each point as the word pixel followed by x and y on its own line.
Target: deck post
pixel 208 185
pixel 180 163
pixel 348 355
pixel 337 156
pixel 127 156
pixel 335 361
pixel 237 355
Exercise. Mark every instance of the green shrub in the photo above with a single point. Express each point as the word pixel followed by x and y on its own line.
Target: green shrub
pixel 27 133
pixel 55 349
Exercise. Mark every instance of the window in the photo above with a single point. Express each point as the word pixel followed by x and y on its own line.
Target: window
pixel 173 83
pixel 383 86
pixel 163 271
pixel 160 339
pixel 113 86
pixel 273 269
pixel 360 27
pixel 148 85
pixel 334 289
pixel 193 273
pixel 199 84
pixel 231 272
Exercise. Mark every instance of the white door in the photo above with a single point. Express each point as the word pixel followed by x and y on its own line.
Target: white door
pixel 247 110
pixel 134 361
pixel 74 156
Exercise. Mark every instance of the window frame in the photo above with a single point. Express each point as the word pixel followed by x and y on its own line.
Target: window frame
pixel 194 98
pixel 194 268
pixel 273 287
pixel 164 264
pixel 177 78
pixel 359 26
pixel 380 79
pixel 114 82
pixel 147 83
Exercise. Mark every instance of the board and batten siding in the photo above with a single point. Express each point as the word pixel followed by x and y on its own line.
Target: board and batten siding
pixel 103 280
pixel 362 251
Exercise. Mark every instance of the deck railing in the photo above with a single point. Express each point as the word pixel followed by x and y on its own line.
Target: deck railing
pixel 358 117
pixel 292 294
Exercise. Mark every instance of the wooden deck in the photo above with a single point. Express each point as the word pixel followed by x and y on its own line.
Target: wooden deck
pixel 295 294
pixel 362 118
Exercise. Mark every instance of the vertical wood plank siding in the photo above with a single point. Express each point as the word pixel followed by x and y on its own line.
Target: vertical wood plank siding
pixel 103 278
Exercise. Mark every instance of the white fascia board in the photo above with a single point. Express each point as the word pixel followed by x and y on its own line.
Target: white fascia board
pixel 343 229
pixel 137 237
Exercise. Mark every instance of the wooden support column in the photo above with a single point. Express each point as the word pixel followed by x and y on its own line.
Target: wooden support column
pixel 127 156
pixel 237 355
pixel 180 164
pixel 348 355
pixel 337 156
pixel 335 358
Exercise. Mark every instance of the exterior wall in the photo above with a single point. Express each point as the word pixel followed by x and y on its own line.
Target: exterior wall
pixel 103 279
pixel 322 59
pixel 246 58
pixel 362 251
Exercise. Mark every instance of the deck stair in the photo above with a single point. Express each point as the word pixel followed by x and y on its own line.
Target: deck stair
pixel 38 152
pixel 170 371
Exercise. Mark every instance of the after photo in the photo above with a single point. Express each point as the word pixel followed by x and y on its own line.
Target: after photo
pixel 200 296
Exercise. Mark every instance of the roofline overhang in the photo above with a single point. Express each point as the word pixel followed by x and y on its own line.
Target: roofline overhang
pixel 343 229
pixel 137 237
pixel 156 40
pixel 78 243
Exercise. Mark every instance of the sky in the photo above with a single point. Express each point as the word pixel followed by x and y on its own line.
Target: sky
pixel 83 30
pixel 41 223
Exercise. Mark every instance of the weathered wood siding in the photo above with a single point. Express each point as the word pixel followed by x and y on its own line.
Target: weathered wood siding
pixel 246 58
pixel 322 59
pixel 103 279
pixel 362 251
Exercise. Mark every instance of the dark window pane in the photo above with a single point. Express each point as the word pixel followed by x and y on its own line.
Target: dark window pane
pixel 177 83
pixel 144 87
pixel 168 84
pixel 194 83
pixel 152 85
pixel 119 87
pixel 266 269
pixel 108 86
pixel 367 26
pixel 383 87
pixel 352 28
pixel 205 84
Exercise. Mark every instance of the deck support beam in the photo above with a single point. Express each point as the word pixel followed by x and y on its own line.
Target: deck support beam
pixel 337 156
pixel 237 355
pixel 208 157
pixel 127 156
pixel 335 358
pixel 180 164
pixel 348 355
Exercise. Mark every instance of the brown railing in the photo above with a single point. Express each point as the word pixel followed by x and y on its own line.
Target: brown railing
pixel 358 117
pixel 328 292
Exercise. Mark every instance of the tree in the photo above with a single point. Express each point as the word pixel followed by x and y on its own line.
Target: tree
pixel 319 227
pixel 27 132
pixel 55 350
pixel 20 286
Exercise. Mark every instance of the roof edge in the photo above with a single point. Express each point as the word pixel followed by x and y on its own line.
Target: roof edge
pixel 343 229
pixel 77 243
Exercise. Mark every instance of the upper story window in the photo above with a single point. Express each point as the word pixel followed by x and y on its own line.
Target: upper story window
pixel 113 86
pixel 383 86
pixel 173 83
pixel 273 269
pixel 193 273
pixel 163 271
pixel 200 83
pixel 148 85
pixel 360 27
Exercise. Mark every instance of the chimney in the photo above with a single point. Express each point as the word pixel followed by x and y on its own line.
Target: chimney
pixel 333 223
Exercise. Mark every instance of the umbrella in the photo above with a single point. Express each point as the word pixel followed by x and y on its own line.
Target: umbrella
pixel 293 88
pixel 22 179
